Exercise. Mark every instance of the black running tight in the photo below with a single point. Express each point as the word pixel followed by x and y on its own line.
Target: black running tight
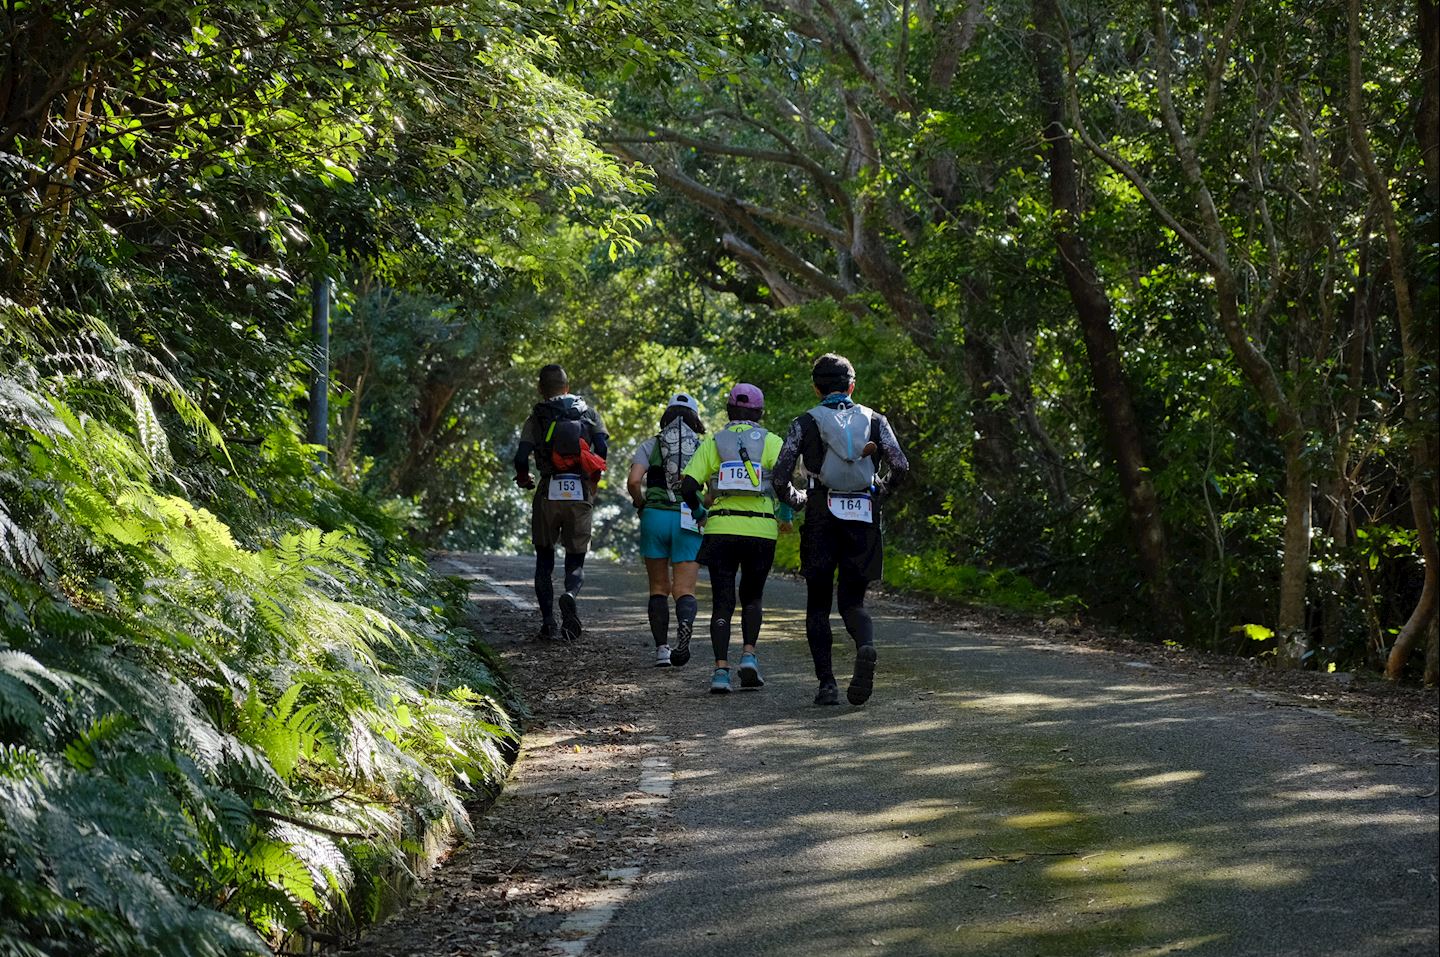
pixel 749 559
pixel 820 591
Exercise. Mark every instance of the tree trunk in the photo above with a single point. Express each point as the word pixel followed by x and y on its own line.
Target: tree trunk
pixel 1427 117
pixel 1291 632
pixel 1432 654
pixel 1092 308
pixel 995 465
pixel 318 430
pixel 40 229
pixel 1421 466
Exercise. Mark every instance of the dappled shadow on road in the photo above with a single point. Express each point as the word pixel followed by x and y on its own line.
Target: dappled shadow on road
pixel 1051 810
pixel 1003 795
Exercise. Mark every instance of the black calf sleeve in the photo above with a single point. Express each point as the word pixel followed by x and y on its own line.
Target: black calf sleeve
pixel 574 571
pixel 686 608
pixel 544 587
pixel 659 619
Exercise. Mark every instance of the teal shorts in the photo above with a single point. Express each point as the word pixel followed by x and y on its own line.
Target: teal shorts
pixel 662 537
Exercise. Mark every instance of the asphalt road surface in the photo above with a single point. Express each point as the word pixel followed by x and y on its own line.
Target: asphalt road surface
pixel 1004 794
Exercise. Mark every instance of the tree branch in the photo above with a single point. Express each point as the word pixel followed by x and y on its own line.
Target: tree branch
pixel 731 210
pixel 897 100
pixel 780 288
pixel 1119 165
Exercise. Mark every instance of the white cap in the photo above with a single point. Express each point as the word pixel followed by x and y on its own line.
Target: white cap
pixel 685 399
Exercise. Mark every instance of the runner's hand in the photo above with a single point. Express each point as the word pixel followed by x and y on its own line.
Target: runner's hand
pixel 525 481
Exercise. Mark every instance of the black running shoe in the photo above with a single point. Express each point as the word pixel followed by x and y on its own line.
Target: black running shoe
pixel 546 632
pixel 862 682
pixel 680 653
pixel 570 627
pixel 828 693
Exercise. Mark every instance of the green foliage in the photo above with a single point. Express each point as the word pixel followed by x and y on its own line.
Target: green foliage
pixel 935 573
pixel 205 743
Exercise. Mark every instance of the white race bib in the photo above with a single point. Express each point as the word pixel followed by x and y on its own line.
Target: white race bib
pixel 567 488
pixel 687 519
pixel 852 507
pixel 735 477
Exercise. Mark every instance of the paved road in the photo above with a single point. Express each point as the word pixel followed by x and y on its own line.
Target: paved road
pixel 1004 795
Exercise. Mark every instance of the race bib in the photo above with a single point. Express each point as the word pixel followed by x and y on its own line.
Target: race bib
pixel 687 519
pixel 735 477
pixel 854 507
pixel 567 488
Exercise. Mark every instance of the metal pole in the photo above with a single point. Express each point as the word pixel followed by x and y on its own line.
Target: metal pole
pixel 320 380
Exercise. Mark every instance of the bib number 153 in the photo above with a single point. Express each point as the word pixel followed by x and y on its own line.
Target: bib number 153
pixel 566 488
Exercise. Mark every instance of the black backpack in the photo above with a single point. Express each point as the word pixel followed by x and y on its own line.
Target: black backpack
pixel 561 429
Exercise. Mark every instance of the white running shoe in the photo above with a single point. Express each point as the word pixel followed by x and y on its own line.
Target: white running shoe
pixel 662 656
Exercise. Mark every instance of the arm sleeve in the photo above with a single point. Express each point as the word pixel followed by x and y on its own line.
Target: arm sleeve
pixel 598 433
pixel 773 444
pixel 690 492
pixel 784 467
pixel 526 447
pixel 891 454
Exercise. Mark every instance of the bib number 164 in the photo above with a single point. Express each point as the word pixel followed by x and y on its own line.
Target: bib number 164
pixel 851 508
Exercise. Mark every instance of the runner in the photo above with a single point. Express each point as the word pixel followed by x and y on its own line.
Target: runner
pixel 568 441
pixel 740 530
pixel 841 445
pixel 669 536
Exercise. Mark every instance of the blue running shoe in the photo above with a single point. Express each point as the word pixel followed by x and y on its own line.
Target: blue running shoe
pixel 750 672
pixel 720 681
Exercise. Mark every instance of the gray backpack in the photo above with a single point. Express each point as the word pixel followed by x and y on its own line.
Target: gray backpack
pixel 845 433
pixel 746 447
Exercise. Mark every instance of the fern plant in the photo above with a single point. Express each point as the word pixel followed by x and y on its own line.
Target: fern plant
pixel 213 729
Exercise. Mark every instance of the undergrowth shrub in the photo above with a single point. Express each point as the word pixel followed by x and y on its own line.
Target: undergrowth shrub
pixel 219 721
pixel 936 572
